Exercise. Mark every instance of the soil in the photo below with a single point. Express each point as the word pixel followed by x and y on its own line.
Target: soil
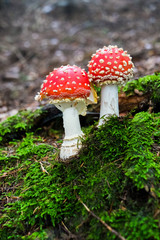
pixel 37 36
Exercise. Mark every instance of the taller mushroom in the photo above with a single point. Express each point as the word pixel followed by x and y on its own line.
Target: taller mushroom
pixel 108 68
pixel 68 88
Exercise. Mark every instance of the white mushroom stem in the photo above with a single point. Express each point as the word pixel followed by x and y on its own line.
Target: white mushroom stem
pixel 72 140
pixel 109 102
pixel 71 123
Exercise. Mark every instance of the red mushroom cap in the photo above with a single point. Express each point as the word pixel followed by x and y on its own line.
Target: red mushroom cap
pixel 66 82
pixel 110 65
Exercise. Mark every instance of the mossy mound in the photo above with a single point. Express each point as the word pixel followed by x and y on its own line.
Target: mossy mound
pixel 117 175
pixel 115 180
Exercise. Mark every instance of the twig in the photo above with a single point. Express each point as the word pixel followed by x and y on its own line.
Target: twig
pixel 69 232
pixel 100 220
pixel 66 228
pixel 43 169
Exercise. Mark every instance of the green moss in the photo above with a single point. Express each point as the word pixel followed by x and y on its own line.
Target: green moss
pixel 117 176
pixel 140 161
pixel 16 126
pixel 148 85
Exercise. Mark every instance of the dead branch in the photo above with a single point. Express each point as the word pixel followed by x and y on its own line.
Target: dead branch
pixel 100 220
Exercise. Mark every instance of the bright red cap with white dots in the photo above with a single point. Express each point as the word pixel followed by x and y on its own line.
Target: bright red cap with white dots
pixel 65 83
pixel 110 65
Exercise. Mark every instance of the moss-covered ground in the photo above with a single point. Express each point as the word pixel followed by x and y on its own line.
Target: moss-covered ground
pixel 116 176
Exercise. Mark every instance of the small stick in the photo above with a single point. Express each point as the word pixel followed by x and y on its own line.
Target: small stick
pixel 100 220
pixel 43 169
pixel 67 230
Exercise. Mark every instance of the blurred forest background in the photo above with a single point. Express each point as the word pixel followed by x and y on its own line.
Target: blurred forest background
pixel 37 36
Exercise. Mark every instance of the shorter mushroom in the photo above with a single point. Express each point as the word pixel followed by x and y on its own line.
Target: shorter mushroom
pixel 68 88
pixel 108 68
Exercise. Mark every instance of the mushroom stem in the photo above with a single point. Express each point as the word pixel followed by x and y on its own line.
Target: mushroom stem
pixel 71 123
pixel 109 102
pixel 72 142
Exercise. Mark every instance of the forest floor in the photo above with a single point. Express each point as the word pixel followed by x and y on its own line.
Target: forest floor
pixel 36 36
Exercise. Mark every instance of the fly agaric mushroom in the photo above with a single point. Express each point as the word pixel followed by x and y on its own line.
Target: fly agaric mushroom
pixel 110 67
pixel 68 88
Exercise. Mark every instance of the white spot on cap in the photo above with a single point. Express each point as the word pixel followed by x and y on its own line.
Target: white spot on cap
pixel 124 54
pixel 111 57
pixel 125 63
pixel 55 91
pixel 120 66
pixel 101 72
pixel 73 82
pixel 68 88
pixel 107 68
pixel 115 62
pixel 109 63
pixel 62 79
pixel 101 61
